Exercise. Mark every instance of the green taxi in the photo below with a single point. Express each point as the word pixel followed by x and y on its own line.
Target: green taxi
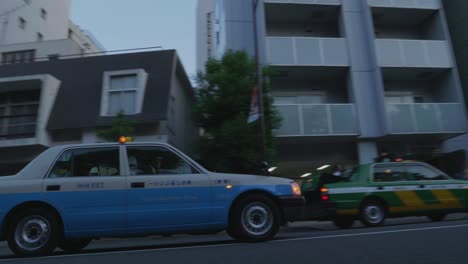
pixel 371 193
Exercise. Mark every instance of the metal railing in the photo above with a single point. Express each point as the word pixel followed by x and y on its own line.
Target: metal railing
pixel 426 118
pixel 317 120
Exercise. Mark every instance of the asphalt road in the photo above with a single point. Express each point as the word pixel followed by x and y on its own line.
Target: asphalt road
pixel 408 240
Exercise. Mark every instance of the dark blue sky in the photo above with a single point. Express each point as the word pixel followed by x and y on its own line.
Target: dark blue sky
pixel 124 24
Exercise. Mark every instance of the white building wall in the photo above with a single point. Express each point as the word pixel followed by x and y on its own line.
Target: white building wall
pixel 205 16
pixel 53 26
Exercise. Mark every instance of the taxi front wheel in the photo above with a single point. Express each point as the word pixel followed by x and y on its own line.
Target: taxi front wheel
pixel 33 232
pixel 372 213
pixel 254 218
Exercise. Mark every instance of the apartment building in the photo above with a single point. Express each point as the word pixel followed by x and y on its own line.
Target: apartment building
pixel 41 30
pixel 205 29
pixel 354 78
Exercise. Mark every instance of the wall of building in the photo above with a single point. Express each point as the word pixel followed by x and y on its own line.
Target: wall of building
pixel 180 126
pixel 205 32
pixel 54 25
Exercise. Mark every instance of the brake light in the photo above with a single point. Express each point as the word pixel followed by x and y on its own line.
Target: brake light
pixel 324 194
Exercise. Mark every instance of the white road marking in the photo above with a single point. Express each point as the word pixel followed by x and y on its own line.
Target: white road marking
pixel 238 244
pixel 371 233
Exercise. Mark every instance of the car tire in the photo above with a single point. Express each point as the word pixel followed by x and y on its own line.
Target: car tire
pixel 254 218
pixel 372 213
pixel 436 217
pixel 343 222
pixel 33 232
pixel 74 244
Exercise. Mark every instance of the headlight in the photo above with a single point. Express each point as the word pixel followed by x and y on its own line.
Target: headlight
pixel 296 190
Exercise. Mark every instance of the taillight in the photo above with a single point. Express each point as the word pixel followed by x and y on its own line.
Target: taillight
pixel 324 194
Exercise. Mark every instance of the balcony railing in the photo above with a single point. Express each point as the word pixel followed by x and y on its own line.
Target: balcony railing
pixel 317 120
pixel 307 51
pixel 419 4
pixel 426 118
pixel 414 53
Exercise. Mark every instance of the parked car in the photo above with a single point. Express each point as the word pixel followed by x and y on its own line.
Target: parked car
pixel 373 192
pixel 70 195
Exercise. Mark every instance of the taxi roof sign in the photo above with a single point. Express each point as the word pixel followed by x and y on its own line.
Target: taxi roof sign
pixel 124 139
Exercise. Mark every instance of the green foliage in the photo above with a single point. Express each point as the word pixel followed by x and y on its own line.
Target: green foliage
pixel 229 143
pixel 121 126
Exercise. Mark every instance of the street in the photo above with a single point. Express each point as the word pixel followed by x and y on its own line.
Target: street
pixel 405 240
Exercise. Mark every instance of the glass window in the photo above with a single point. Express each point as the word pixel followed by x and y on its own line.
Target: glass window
pixel 389 173
pixel 156 160
pixel 423 173
pixel 123 94
pixel 21 23
pixel 123 82
pixel 18 56
pixel 43 14
pixel 87 162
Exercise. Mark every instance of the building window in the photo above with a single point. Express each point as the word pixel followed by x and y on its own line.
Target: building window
pixel 123 91
pixel 18 57
pixel 40 37
pixel 22 23
pixel 18 114
pixel 43 14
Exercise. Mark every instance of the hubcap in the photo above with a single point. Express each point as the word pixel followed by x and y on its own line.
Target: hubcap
pixel 32 233
pixel 374 214
pixel 257 219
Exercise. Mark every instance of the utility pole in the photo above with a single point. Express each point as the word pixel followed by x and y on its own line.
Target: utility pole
pixel 259 84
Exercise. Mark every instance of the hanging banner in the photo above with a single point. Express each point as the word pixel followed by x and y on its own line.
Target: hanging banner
pixel 254 109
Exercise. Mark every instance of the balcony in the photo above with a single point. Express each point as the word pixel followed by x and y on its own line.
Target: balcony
pixel 307 51
pixel 414 53
pixel 431 118
pixel 417 4
pixel 317 120
pixel 315 2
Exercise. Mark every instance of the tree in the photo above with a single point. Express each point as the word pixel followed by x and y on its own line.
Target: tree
pixel 120 127
pixel 229 143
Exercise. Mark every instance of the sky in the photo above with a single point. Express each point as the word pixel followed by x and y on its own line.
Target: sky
pixel 126 24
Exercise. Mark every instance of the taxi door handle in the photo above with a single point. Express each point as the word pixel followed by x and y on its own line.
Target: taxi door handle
pixel 422 186
pixel 136 185
pixel 380 188
pixel 53 188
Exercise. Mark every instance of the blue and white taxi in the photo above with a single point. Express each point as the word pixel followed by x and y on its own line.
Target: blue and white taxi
pixel 72 194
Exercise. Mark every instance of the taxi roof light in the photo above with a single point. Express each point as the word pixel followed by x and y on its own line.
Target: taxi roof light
pixel 123 139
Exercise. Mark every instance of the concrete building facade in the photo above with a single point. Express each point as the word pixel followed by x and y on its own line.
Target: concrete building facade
pixel 205 29
pixel 354 78
pixel 39 30
pixel 33 20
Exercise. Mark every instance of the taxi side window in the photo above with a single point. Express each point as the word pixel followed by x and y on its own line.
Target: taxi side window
pixel 156 161
pixel 389 173
pixel 87 163
pixel 423 173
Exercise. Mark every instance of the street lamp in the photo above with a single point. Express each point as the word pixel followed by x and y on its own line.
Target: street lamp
pixel 259 83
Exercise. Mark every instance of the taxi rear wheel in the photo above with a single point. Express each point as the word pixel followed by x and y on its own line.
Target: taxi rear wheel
pixel 33 232
pixel 372 213
pixel 74 244
pixel 254 218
